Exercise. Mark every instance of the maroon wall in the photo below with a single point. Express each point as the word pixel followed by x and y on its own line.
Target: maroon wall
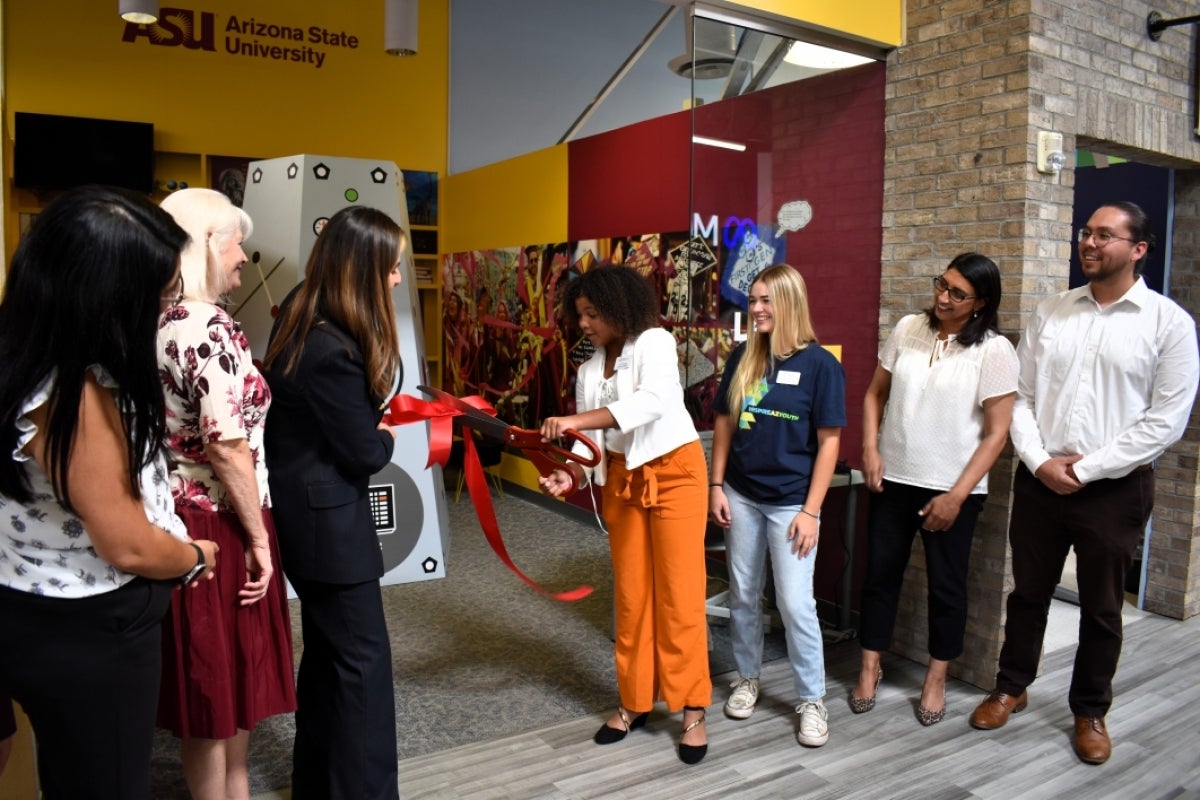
pixel 823 140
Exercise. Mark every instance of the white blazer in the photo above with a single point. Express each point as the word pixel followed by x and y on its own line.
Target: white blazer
pixel 649 403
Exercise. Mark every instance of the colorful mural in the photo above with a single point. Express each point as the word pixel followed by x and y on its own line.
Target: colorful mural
pixel 504 338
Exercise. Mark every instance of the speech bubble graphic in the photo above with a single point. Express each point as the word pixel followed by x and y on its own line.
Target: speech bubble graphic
pixel 794 215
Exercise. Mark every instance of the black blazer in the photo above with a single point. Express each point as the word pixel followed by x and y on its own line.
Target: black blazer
pixel 322 448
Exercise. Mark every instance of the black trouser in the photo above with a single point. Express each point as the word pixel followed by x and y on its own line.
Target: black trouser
pixel 891 526
pixel 345 714
pixel 86 671
pixel 1104 522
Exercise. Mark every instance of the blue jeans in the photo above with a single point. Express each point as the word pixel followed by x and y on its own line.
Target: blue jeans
pixel 754 529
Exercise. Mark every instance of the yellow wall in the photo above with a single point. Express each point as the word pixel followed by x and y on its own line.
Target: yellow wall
pixel 516 202
pixel 877 21
pixel 68 57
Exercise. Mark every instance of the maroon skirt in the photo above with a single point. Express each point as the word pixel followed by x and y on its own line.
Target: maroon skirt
pixel 226 666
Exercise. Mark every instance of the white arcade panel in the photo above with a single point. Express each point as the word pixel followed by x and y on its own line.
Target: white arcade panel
pixel 290 199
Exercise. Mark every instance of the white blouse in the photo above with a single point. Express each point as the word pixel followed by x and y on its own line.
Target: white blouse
pixel 615 440
pixel 44 548
pixel 933 421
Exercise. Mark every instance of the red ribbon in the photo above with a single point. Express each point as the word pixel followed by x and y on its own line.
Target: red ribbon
pixel 405 409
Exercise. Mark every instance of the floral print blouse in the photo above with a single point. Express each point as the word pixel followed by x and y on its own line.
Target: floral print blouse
pixel 44 549
pixel 214 393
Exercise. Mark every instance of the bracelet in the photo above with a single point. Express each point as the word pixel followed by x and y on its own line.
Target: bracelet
pixel 817 516
pixel 715 484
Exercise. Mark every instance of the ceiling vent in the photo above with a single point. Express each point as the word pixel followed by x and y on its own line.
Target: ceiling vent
pixel 716 45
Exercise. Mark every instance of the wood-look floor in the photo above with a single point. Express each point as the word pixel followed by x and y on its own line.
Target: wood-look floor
pixel 881 755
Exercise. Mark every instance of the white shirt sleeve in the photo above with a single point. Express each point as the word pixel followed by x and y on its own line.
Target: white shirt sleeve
pixel 1026 438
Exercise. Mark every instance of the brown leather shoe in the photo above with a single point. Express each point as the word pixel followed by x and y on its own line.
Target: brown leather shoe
pixel 1092 744
pixel 993 712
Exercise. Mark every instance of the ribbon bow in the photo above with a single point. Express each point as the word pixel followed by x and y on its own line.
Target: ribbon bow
pixel 405 409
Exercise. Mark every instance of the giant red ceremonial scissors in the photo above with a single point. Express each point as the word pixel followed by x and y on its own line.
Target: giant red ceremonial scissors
pixel 546 456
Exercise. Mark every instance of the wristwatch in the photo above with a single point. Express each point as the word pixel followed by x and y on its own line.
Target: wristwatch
pixel 195 571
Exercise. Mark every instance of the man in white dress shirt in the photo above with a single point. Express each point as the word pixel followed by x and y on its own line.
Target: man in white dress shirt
pixel 1108 377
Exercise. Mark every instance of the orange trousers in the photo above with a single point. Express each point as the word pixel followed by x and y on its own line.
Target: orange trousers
pixel 656 516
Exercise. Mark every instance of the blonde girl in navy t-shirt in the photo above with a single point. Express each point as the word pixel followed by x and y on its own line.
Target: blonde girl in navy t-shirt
pixel 780 411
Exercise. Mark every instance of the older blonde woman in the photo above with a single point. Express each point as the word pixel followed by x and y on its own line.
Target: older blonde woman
pixel 228 645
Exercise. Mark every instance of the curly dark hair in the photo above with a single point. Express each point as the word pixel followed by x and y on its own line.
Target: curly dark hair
pixel 621 296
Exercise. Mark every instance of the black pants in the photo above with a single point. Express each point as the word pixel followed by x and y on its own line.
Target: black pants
pixel 345 714
pixel 891 526
pixel 86 671
pixel 1104 522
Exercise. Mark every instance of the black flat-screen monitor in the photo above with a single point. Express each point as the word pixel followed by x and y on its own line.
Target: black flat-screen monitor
pixel 58 152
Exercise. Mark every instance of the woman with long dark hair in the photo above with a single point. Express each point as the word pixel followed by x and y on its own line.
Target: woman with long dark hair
pixel 90 548
pixel 332 363
pixel 935 418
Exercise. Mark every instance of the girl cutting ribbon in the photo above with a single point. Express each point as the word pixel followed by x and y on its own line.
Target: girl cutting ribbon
pixel 629 401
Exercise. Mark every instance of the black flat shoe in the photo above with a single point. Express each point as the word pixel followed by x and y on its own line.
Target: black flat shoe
pixel 607 735
pixel 692 753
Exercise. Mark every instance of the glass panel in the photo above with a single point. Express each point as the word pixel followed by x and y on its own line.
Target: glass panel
pixel 786 166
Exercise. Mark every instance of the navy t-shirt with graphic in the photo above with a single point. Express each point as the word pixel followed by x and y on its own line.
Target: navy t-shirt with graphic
pixel 775 441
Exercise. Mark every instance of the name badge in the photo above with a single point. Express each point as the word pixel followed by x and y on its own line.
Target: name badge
pixel 622 362
pixel 788 378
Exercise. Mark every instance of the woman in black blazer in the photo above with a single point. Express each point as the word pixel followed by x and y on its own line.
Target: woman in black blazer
pixel 332 362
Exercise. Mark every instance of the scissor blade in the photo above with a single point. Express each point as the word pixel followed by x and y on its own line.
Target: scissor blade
pixel 471 417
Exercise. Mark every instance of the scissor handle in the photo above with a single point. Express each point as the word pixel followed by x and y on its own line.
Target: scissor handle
pixel 572 435
pixel 548 457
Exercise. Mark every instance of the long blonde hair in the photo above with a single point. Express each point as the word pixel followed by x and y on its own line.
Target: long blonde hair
pixel 211 220
pixel 792 331
pixel 346 282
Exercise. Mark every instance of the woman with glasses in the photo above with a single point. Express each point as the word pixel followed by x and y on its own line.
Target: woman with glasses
pixel 227 646
pixel 935 418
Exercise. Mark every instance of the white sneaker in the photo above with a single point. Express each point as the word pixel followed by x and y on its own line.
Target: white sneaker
pixel 814 724
pixel 740 704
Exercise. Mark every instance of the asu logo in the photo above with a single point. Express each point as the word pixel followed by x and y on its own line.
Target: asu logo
pixel 177 27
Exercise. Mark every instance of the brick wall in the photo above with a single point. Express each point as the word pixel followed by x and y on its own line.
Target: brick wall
pixel 1173 569
pixel 966 96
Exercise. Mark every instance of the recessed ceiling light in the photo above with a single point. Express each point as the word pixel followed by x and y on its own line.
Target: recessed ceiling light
pixel 805 54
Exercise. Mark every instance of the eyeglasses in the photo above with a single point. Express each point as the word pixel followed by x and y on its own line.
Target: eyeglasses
pixel 956 295
pixel 1101 238
pixel 171 302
